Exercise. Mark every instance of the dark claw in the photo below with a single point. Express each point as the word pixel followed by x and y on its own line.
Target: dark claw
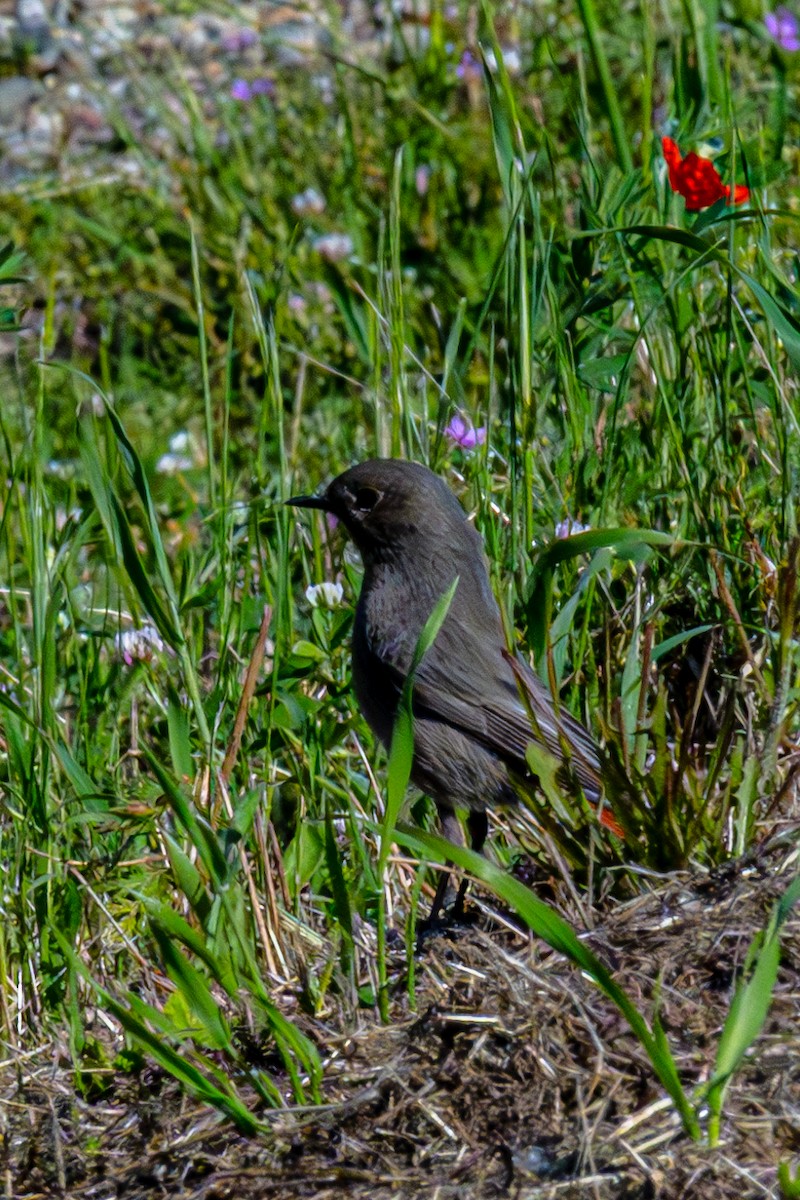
pixel 447 925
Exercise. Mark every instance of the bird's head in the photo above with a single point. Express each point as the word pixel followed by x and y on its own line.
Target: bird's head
pixel 391 507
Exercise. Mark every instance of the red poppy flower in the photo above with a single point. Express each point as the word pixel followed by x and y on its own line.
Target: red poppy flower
pixel 698 180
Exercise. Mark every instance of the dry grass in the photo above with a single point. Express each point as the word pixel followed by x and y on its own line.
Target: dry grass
pixel 514 1078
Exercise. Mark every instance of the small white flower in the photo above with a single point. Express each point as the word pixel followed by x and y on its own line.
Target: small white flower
pixel 333 247
pixel 568 528
pixel 61 468
pixel 62 517
pixel 308 203
pixel 325 595
pixel 127 166
pixel 96 405
pixel 138 644
pixel 173 464
pixel 183 454
pixel 511 60
pixel 324 85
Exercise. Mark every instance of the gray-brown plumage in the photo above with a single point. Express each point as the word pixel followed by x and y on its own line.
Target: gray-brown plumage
pixel 471 726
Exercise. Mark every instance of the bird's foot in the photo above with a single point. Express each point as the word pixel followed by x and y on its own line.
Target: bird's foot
pixel 447 925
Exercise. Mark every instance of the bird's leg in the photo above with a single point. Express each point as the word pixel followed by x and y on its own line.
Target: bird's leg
pixel 478 826
pixel 438 899
pixel 451 829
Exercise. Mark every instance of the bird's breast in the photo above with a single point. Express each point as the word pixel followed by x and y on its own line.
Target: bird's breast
pixel 379 662
pixel 392 609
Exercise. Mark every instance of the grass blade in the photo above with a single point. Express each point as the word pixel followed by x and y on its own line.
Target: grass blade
pixel 542 920
pixel 400 760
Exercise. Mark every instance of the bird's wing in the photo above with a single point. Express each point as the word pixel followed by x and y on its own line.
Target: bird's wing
pixel 481 696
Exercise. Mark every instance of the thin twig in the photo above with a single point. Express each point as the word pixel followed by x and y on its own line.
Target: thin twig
pixel 729 602
pixel 248 688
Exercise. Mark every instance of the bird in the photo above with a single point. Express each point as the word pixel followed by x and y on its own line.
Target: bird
pixel 472 699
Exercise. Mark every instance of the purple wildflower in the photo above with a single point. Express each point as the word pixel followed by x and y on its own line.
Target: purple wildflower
pixel 262 87
pixel 244 91
pixel 422 179
pixel 463 433
pixel 468 67
pixel 239 40
pixel 784 28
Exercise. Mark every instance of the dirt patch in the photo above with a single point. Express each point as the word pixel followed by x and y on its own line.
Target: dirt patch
pixel 515 1077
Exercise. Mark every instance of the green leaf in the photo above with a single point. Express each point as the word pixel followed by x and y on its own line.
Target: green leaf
pixel 303 855
pixel 402 748
pixel 303 652
pixel 179 742
pixel 559 630
pixel 195 992
pixel 203 838
pixel 751 1002
pixel 788 1183
pixel 85 788
pixel 401 757
pixel 671 643
pixel 503 121
pixel 188 879
pixel 122 540
pixel 132 1018
pixel 603 373
pixel 626 543
pixel 548 925
pixel 173 926
pixel 777 317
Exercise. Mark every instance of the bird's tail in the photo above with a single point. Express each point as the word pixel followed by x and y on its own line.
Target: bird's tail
pixel 565 737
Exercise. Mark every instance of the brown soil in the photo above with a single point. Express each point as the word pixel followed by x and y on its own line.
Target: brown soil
pixel 515 1077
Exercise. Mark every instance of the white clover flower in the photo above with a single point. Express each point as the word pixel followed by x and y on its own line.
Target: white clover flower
pixel 324 85
pixel 334 247
pixel 511 60
pixel 182 454
pixel 61 468
pixel 325 595
pixel 173 464
pixel 138 644
pixel 568 528
pixel 309 203
pixel 240 513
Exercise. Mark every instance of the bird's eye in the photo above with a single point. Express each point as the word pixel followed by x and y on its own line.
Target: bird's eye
pixel 365 499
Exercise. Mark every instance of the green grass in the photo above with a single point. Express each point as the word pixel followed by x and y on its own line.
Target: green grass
pixel 517 255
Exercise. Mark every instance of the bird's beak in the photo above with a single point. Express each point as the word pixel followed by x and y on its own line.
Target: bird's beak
pixel 309 502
